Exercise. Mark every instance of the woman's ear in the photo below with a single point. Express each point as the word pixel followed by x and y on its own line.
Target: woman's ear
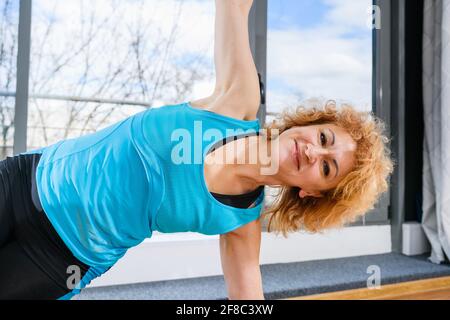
pixel 302 193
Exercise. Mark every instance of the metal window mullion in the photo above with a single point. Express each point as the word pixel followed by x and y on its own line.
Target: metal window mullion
pixel 258 45
pixel 78 99
pixel 22 77
pixel 381 98
pixel 383 109
pixel 398 123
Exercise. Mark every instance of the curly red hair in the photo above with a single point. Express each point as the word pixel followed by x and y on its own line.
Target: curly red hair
pixel 355 194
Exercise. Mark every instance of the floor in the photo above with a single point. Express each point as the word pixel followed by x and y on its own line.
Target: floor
pixel 428 289
pixel 287 280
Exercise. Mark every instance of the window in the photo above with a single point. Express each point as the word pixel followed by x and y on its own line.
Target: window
pixel 319 50
pixel 94 63
pixel 9 21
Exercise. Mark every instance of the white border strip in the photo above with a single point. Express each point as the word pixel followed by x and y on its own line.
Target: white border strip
pixel 190 255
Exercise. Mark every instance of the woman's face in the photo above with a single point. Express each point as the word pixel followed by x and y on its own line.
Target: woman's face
pixel 325 153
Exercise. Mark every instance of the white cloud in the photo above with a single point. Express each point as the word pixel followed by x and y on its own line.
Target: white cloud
pixel 349 13
pixel 322 61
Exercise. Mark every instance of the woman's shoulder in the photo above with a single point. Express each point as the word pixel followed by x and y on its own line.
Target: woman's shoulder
pixel 226 105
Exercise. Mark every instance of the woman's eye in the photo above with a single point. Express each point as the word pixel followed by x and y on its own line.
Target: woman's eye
pixel 326 169
pixel 324 140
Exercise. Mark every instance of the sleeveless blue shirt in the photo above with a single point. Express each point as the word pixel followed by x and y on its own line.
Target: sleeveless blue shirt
pixel 106 192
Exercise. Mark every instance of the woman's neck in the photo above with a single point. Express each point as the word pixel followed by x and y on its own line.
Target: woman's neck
pixel 236 167
pixel 253 153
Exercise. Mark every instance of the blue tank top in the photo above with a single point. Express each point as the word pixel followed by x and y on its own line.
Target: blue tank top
pixel 106 192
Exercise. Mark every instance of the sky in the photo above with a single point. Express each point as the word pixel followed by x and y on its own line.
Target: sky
pixel 319 49
pixel 316 48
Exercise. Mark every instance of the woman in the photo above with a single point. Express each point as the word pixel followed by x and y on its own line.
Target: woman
pixel 70 211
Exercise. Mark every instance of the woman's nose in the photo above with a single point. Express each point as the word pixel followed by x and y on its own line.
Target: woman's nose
pixel 313 151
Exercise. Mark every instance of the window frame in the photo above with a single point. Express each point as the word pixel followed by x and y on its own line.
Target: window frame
pixel 381 95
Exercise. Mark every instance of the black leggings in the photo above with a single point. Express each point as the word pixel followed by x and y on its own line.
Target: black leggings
pixel 34 261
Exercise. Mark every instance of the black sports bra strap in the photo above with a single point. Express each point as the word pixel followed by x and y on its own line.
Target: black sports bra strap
pixel 231 138
pixel 238 200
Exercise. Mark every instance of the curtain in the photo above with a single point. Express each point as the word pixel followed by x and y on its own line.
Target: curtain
pixel 436 143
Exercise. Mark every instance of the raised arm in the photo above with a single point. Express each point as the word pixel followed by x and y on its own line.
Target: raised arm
pixel 239 252
pixel 236 73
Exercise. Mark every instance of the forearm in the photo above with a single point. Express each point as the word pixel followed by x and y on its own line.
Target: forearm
pixel 233 59
pixel 241 271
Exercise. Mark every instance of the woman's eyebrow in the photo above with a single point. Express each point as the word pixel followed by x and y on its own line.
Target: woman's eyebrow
pixel 334 160
pixel 334 138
